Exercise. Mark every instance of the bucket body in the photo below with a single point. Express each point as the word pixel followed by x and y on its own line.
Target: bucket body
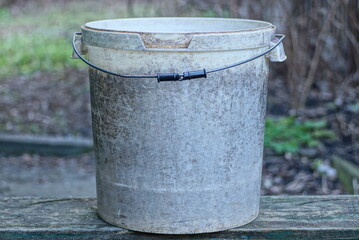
pixel 178 157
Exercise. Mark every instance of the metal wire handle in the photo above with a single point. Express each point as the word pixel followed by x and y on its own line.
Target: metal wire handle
pixel 176 76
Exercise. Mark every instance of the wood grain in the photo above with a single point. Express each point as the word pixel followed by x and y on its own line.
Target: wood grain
pixel 281 217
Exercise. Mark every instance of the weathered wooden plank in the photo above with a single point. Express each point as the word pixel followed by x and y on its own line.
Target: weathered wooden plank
pixel 281 217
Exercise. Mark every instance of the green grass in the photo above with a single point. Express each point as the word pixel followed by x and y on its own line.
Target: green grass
pixel 40 39
pixel 25 54
pixel 5 16
pixel 30 44
pixel 210 13
pixel 287 134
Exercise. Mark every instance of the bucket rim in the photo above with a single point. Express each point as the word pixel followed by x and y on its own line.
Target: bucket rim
pixel 92 25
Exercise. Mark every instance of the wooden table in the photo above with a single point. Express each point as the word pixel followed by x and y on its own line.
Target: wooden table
pixel 281 217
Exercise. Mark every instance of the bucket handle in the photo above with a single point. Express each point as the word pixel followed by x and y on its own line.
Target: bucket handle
pixel 161 77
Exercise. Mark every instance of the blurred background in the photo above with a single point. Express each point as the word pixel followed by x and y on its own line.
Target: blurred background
pixel 312 125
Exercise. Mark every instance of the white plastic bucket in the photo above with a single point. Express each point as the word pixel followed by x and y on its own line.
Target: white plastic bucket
pixel 178 157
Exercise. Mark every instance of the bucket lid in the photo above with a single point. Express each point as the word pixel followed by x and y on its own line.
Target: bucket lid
pixel 191 34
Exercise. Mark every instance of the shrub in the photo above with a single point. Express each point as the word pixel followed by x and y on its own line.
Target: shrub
pixel 287 134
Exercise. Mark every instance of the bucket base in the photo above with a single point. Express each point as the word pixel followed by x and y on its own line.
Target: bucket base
pixel 206 228
pixel 176 212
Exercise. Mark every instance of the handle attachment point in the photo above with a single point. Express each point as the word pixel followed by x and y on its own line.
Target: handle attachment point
pixel 278 53
pixel 77 42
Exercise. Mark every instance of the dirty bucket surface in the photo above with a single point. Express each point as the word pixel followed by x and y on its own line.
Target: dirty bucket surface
pixel 178 157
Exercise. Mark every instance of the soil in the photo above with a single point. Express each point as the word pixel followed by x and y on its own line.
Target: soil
pixel 59 104
pixel 46 104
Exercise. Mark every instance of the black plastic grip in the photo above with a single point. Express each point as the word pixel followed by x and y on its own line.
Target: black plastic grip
pixel 162 77
pixel 195 74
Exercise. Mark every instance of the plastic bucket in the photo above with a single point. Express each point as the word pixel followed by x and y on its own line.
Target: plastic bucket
pixel 178 157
